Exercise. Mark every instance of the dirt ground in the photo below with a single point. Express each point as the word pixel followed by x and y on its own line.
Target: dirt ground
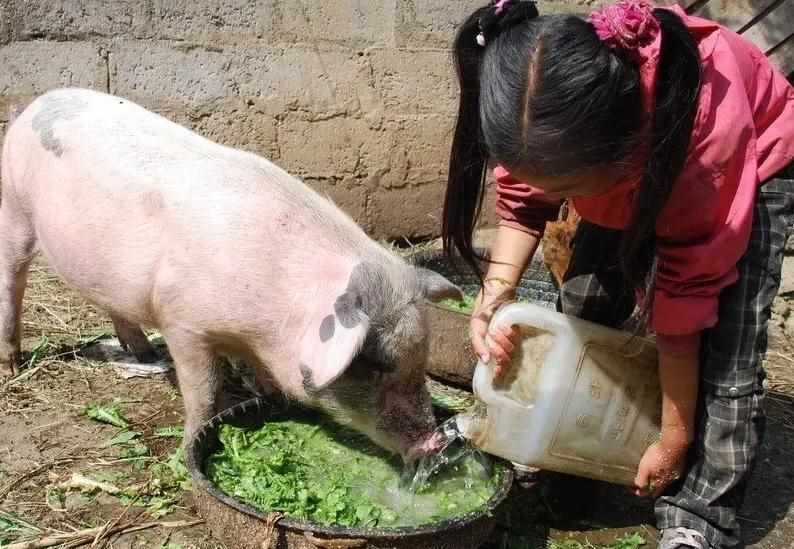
pixel 45 438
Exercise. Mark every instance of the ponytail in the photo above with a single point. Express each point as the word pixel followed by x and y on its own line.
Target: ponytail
pixel 677 93
pixel 468 157
pixel 466 179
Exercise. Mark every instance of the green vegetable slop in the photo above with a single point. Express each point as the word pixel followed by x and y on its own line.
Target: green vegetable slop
pixel 466 305
pixel 461 306
pixel 331 475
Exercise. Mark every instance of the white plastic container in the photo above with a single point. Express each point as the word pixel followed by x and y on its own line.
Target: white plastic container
pixel 579 398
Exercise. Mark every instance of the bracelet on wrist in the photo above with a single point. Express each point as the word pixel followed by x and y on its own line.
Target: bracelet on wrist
pixel 499 280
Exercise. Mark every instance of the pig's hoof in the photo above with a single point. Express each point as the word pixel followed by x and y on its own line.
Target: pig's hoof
pixel 141 349
pixel 9 368
pixel 10 360
pixel 146 356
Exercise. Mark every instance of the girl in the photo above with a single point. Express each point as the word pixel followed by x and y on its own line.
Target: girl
pixel 673 138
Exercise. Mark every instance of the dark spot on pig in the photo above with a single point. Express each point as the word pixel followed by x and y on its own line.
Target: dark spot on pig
pixel 348 309
pixel 55 107
pixel 308 380
pixel 327 328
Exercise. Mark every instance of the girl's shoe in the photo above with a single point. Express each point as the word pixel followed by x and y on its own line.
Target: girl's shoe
pixel 682 538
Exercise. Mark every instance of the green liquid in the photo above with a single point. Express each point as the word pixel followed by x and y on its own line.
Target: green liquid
pixel 327 474
pixel 464 306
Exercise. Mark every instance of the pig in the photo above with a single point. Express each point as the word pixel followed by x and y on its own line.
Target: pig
pixel 224 253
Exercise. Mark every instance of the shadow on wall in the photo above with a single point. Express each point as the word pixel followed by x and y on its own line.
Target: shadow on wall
pixel 769 24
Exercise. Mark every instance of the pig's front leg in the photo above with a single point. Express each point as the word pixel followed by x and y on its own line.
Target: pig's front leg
pixel 133 339
pixel 199 378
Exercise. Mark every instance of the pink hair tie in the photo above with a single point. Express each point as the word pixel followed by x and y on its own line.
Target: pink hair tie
pixel 630 26
pixel 501 5
pixel 627 25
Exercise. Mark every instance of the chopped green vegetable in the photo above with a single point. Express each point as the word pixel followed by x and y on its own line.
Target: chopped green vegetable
pixel 111 476
pixel 90 340
pixel 131 452
pixel 172 471
pixel 13 527
pixel 465 306
pixel 634 541
pixel 328 474
pixel 107 414
pixel 39 351
pixel 173 431
pixel 124 437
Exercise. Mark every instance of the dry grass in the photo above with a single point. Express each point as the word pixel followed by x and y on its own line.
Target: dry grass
pixel 53 310
pixel 55 322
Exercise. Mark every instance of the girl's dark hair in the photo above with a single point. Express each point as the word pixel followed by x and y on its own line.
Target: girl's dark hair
pixel 547 95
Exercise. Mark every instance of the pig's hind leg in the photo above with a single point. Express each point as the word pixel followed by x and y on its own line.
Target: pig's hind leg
pixel 199 377
pixel 133 339
pixel 17 240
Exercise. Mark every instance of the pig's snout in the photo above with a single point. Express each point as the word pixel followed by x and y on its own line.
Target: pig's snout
pixel 430 445
pixel 405 417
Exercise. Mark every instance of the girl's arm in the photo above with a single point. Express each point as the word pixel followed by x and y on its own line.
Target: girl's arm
pixel 510 254
pixel 679 368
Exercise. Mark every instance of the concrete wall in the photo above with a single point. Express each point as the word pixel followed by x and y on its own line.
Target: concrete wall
pixel 356 97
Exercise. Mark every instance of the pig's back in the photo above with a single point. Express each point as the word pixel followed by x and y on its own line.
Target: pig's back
pixel 141 199
pixel 102 145
pixel 75 128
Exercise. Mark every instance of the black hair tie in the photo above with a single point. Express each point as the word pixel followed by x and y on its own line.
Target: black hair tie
pixel 496 18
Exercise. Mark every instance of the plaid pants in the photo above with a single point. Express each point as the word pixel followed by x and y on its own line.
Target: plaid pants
pixel 731 417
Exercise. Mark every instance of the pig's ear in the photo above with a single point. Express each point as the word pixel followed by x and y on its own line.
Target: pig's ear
pixel 435 287
pixel 330 344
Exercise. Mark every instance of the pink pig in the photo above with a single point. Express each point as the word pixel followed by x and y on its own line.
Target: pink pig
pixel 224 253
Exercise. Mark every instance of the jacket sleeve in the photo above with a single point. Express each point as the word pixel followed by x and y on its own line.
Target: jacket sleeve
pixel 521 206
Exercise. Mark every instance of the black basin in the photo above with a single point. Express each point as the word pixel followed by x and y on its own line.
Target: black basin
pixel 241 526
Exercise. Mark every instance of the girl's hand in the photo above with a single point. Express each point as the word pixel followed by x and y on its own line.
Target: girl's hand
pixel 664 461
pixel 499 346
pixel 662 464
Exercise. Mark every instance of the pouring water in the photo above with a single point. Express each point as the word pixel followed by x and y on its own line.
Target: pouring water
pixel 453 450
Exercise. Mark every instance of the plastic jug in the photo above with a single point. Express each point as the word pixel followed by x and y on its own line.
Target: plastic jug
pixel 579 398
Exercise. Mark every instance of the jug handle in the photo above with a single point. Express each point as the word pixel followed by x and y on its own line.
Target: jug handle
pixel 526 314
pixel 508 315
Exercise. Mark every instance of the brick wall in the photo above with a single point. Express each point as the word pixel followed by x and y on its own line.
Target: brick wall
pixel 356 97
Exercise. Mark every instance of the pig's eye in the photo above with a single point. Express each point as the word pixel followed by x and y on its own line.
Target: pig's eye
pixel 360 370
pixel 383 368
pixel 367 369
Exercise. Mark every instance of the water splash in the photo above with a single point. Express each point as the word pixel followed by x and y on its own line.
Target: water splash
pixel 457 467
pixel 454 450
